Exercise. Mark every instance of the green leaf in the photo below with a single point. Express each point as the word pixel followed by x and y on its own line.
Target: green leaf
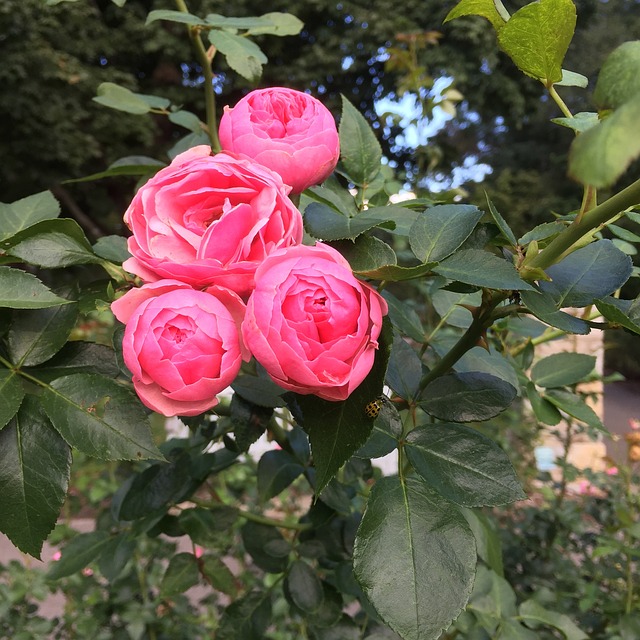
pixel 79 552
pixel 602 154
pixel 258 390
pixel 502 223
pixel 156 488
pixel 405 370
pixel 337 429
pixel 78 357
pixel 187 120
pixel 99 417
pixel 544 307
pixel 120 98
pixel 174 16
pixel 483 269
pixel 595 271
pixel 204 526
pixel 573 79
pixel 115 556
pixel 243 56
pixel 366 254
pixel 246 618
pixel 414 558
pixel 537 37
pixel 404 317
pixel 323 222
pixel 387 429
pixel 619 77
pixel 23 213
pixel 617 311
pixel 34 474
pixel 492 600
pixel 38 334
pixel 467 397
pixel 542 232
pixel 11 395
pixel 580 123
pixel 304 587
pixel 129 166
pixel 487 535
pixel 485 8
pixel 181 574
pixel 543 410
pixel 276 23
pixel 255 538
pixel 562 369
pixel 360 150
pixel 20 290
pixel 463 466
pixel 533 612
pixel 52 244
pixel 480 360
pixel 276 471
pixel 440 230
pixel 219 576
pixel 575 406
pixel 112 248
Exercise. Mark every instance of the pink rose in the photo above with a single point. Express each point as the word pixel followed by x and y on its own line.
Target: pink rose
pixel 288 131
pixel 182 346
pixel 209 220
pixel 311 324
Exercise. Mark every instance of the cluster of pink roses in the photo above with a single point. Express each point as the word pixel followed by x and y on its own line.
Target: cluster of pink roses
pixel 218 243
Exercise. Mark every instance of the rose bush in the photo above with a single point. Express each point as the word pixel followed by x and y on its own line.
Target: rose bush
pixel 311 324
pixel 208 220
pixel 286 130
pixel 182 346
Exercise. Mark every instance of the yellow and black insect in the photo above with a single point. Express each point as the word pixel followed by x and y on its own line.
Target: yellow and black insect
pixel 373 408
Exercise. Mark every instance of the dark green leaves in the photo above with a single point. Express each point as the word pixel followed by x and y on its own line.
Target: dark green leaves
pixel 82 550
pixel 537 37
pixel 276 471
pixel 99 417
pixel 23 213
pixel 595 271
pixel 323 222
pixel 482 269
pixel 52 244
pixel 467 397
pixel 34 473
pixel 561 369
pixel 360 150
pixel 463 465
pixel 20 290
pixel 337 429
pixel 414 557
pixel 11 394
pixel 304 587
pixel 37 335
pixel 440 230
pixel 181 574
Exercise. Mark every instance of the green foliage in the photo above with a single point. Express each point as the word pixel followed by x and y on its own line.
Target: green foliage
pixel 323 547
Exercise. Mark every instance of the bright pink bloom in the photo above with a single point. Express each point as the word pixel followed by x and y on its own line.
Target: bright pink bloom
pixel 286 130
pixel 182 346
pixel 311 324
pixel 612 471
pixel 209 220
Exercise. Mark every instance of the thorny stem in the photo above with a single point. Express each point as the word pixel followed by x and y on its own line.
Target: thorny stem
pixel 590 221
pixel 205 63
pixel 481 321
